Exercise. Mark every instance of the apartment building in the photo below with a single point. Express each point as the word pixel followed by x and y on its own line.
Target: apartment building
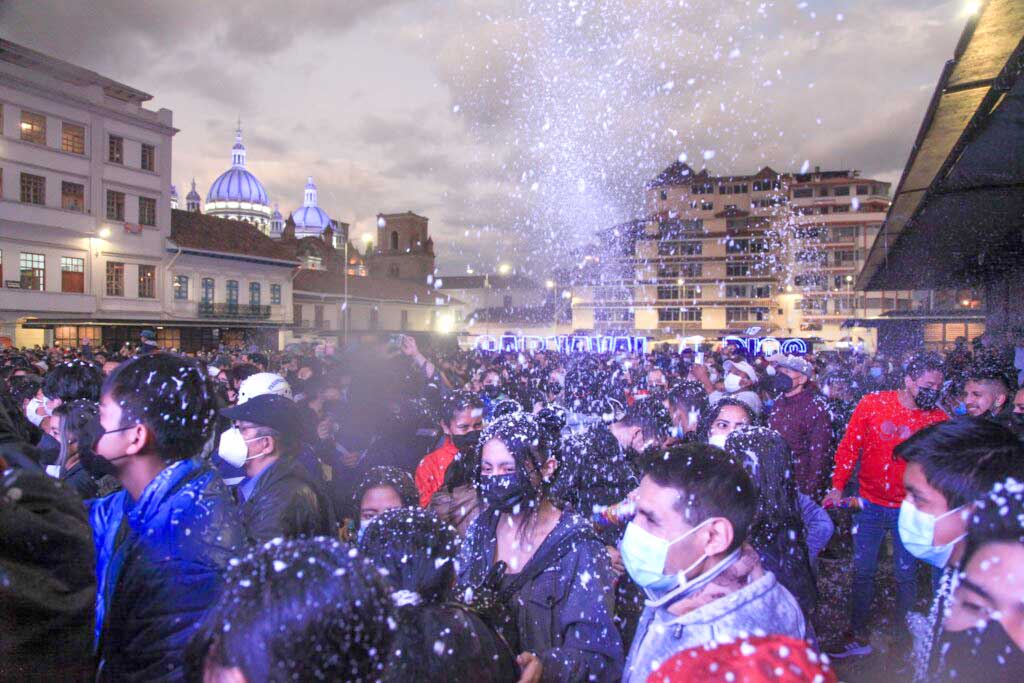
pixel 720 254
pixel 84 200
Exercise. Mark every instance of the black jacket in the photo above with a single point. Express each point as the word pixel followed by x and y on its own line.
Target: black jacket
pixel 287 502
pixel 47 580
pixel 563 614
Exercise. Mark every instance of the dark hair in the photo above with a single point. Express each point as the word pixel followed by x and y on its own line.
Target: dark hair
pixel 241 372
pixel 259 359
pixel 992 371
pixel 74 418
pixel 928 361
pixel 303 609
pixel 711 483
pixel 25 387
pixel 415 549
pixel 386 476
pixel 651 416
pixel 716 409
pixel 998 517
pixel 964 457
pixel 72 380
pixel 171 396
pixel 688 396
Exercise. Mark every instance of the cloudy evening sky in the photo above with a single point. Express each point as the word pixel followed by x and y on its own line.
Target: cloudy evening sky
pixel 518 127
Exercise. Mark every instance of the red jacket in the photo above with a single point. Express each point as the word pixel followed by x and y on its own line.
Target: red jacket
pixel 879 424
pixel 430 471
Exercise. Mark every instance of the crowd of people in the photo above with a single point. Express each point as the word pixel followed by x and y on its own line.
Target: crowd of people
pixel 390 513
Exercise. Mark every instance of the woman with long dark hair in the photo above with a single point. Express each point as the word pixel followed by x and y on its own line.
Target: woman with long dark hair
pixel 778 533
pixel 436 639
pixel 544 571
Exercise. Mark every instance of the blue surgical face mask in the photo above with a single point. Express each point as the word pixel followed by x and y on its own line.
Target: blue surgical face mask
pixel 876 372
pixel 917 531
pixel 645 554
pixel 960 409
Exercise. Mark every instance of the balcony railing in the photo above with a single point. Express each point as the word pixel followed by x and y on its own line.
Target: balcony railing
pixel 237 311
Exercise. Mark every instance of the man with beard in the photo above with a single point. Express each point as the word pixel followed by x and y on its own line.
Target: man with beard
pixel 882 421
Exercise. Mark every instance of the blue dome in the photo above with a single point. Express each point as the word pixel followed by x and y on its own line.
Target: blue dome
pixel 311 217
pixel 237 185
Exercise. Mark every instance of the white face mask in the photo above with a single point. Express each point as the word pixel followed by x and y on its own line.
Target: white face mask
pixel 826 391
pixel 713 375
pixel 732 383
pixel 32 411
pixel 718 440
pixel 770 370
pixel 233 449
pixel 917 531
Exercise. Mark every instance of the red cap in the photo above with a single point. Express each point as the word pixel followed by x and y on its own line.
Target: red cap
pixel 757 659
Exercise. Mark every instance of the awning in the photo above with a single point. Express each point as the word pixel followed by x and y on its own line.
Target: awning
pixel 958 214
pixel 936 316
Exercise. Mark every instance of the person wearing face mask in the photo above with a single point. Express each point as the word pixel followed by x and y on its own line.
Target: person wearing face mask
pixel 949 466
pixel 383 488
pixel 983 634
pixel 277 497
pixel 686 548
pixel 163 543
pixel 687 403
pixel 800 415
pixel 725 416
pixel 491 390
pixel 462 418
pixel 543 568
pixel 739 382
pixel 881 422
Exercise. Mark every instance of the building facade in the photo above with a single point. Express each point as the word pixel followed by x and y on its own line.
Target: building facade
pixel 84 199
pixel 720 254
pixel 404 249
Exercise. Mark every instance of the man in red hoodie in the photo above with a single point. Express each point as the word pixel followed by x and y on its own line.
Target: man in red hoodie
pixel 462 418
pixel 880 422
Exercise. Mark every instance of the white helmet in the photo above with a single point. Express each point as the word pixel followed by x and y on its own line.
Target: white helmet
pixel 263 383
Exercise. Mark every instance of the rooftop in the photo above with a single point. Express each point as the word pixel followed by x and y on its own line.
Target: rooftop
pixel 379 288
pixel 201 232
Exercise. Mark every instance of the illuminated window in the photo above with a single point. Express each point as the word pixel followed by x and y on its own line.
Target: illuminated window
pixel 33 127
pixel 72 274
pixel 147 282
pixel 72 138
pixel 115 278
pixel 72 196
pixel 181 287
pixel 33 271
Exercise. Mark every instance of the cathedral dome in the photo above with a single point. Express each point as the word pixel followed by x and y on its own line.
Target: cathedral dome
pixel 237 184
pixel 310 219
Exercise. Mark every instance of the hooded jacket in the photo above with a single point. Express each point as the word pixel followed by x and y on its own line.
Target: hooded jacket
pixel 159 567
pixel 743 600
pixel 287 502
pixel 804 422
pixel 564 614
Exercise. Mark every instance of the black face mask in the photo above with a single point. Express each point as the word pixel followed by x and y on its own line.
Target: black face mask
pixel 49 449
pixel 466 443
pixel 94 463
pixel 926 398
pixel 506 491
pixel 782 384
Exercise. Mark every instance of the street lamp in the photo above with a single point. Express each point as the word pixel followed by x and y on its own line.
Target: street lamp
pixel 504 269
pixel 104 232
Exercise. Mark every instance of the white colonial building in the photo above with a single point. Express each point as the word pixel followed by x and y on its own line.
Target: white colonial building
pixel 84 200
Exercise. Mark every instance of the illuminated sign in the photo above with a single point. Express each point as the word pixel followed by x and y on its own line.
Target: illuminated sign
pixel 562 344
pixel 769 345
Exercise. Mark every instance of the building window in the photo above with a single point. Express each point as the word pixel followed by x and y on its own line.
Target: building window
pixel 803 193
pixel 115 205
pixel 394 240
pixel 862 189
pixel 147 282
pixel 72 196
pixel 115 278
pixel 275 294
pixel 663 195
pixel 254 294
pixel 736 315
pixel 72 138
pixel 207 290
pixel 33 271
pixel 147 211
pixel 181 287
pixel 737 246
pixel 72 274
pixel 115 149
pixel 676 247
pixel 393 270
pixel 232 293
pixel 668 292
pixel 297 314
pixel 842 191
pixel 318 316
pixel 33 189
pixel 148 161
pixel 33 127
pixel 737 269
pixel 707 206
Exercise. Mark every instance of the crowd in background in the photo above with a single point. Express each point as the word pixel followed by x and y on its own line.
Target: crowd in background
pixel 396 513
